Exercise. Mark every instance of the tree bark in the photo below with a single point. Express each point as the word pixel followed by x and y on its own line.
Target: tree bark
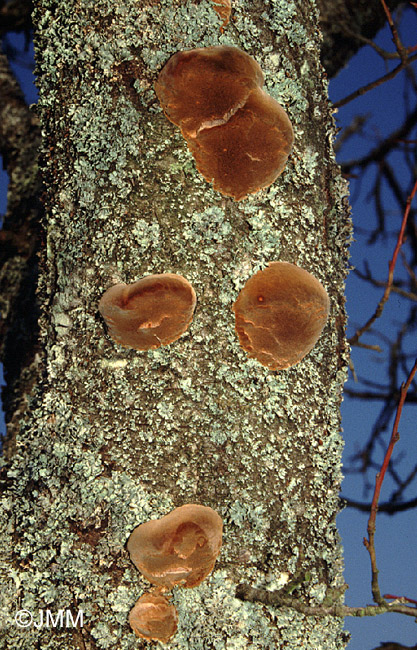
pixel 115 437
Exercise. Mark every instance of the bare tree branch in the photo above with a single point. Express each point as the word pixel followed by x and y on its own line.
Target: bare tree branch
pixel 370 541
pixel 278 599
pixel 378 82
pixel 354 339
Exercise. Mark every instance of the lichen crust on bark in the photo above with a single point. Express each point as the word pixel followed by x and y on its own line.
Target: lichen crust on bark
pixel 116 437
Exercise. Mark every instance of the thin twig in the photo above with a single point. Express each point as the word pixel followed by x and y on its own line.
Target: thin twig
pixel 405 54
pixel 354 128
pixel 385 146
pixel 369 395
pixel 395 37
pixel 277 599
pixel 367 41
pixel 409 270
pixel 388 507
pixel 374 84
pixel 354 339
pixel 368 346
pixel 403 598
pixel 370 541
pixel 379 283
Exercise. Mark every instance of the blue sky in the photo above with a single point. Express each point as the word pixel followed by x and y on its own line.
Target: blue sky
pixel 396 536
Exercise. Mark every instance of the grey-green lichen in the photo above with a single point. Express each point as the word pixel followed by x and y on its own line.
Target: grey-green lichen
pixel 117 437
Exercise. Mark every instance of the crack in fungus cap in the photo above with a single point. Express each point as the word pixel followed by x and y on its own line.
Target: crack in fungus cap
pixel 239 136
pixel 180 548
pixel 151 312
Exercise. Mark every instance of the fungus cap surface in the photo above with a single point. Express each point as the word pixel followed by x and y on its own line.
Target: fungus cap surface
pixel 151 312
pixel 239 136
pixel 259 152
pixel 280 314
pixel 179 548
pixel 154 618
pixel 197 88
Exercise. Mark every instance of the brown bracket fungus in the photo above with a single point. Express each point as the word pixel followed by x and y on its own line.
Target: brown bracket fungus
pixel 153 618
pixel 280 314
pixel 180 548
pixel 239 136
pixel 151 312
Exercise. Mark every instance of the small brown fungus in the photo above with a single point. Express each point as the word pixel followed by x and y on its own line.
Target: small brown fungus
pixel 154 618
pixel 151 312
pixel 280 314
pixel 239 136
pixel 180 548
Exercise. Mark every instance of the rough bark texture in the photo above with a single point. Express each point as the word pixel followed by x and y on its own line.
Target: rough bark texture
pixel 343 22
pixel 115 437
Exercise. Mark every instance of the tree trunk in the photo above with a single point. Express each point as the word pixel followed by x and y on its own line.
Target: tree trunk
pixel 114 437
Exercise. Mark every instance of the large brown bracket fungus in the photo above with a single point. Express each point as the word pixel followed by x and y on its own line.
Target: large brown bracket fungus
pixel 280 314
pixel 239 136
pixel 151 312
pixel 180 548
